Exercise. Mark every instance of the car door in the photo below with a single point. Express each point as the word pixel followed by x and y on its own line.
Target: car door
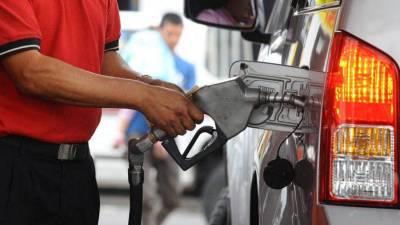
pixel 302 33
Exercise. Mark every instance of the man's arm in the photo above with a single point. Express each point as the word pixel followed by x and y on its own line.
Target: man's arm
pixel 46 77
pixel 115 66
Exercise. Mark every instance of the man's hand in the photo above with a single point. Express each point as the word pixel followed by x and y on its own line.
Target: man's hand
pixel 165 105
pixel 170 110
pixel 166 85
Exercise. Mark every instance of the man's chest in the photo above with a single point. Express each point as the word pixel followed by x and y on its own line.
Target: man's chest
pixel 71 16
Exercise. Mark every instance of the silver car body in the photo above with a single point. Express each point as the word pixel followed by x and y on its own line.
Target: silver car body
pixel 305 43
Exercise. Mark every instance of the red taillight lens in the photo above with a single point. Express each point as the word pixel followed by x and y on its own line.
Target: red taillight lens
pixel 359 126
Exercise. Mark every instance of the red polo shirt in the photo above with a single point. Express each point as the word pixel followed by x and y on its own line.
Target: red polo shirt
pixel 77 32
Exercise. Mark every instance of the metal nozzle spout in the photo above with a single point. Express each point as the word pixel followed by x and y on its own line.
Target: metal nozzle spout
pixel 275 97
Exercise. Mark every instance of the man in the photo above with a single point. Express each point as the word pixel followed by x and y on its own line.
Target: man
pixel 161 194
pixel 52 53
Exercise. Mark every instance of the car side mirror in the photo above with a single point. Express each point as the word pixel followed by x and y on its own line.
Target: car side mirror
pixel 230 14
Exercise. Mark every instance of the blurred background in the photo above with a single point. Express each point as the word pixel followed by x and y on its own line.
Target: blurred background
pixel 209 52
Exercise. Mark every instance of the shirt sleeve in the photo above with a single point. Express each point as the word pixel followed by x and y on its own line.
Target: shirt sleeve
pixel 113 30
pixel 19 28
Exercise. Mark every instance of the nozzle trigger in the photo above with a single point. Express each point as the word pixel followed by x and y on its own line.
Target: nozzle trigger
pixel 216 142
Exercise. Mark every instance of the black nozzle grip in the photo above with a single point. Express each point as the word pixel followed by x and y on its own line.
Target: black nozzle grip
pixel 217 141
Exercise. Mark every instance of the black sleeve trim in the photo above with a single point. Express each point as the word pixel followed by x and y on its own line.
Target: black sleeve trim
pixel 20 45
pixel 112 46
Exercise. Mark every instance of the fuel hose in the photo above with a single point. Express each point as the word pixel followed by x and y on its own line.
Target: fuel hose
pixel 136 179
pixel 136 201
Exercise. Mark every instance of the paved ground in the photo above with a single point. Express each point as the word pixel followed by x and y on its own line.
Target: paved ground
pixel 115 208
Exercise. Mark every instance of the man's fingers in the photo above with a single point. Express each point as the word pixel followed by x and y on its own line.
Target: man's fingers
pixel 188 123
pixel 170 131
pixel 178 127
pixel 196 114
pixel 174 112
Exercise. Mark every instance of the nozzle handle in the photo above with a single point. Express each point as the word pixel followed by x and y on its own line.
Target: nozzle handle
pixel 141 145
pixel 217 141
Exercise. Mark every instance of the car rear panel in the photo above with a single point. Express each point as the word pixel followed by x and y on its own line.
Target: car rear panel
pixel 373 22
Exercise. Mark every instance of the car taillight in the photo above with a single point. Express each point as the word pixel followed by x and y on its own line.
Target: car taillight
pixel 359 133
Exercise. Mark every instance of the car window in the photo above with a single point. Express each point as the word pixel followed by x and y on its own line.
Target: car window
pixel 279 15
pixel 275 14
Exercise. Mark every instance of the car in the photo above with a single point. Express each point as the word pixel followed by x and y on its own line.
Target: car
pixel 345 167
